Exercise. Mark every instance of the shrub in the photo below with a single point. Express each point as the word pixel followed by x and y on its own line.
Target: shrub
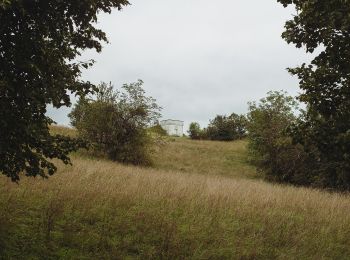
pixel 157 129
pixel 227 128
pixel 116 123
pixel 321 140
pixel 221 128
pixel 195 131
pixel 286 147
pixel 270 144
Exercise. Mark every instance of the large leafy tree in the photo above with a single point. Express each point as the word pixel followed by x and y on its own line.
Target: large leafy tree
pixel 324 26
pixel 39 45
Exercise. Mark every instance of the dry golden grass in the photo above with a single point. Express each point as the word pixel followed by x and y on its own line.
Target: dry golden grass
pixel 202 157
pixel 205 157
pixel 200 202
pixel 63 130
pixel 99 209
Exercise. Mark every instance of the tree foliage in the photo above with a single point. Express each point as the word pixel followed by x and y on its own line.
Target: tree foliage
pixel 39 43
pixel 195 132
pixel 117 123
pixel 325 83
pixel 227 128
pixel 221 128
pixel 270 145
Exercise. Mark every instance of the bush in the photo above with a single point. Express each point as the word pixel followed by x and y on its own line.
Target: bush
pixel 116 123
pixel 270 143
pixel 221 128
pixel 227 128
pixel 286 147
pixel 195 132
pixel 158 130
pixel 328 148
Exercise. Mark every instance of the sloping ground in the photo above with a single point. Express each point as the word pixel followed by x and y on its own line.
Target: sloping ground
pixel 102 210
pixel 205 157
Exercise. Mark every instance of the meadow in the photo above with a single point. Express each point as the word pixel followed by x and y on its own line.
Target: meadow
pixel 200 200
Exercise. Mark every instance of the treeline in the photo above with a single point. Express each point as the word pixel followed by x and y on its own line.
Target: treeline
pixel 221 128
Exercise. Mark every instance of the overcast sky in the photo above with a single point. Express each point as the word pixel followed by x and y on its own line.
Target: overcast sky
pixel 198 58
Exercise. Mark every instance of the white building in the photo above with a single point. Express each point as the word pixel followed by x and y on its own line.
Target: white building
pixel 173 127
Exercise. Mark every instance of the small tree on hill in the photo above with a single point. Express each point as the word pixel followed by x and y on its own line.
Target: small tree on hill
pixel 227 128
pixel 195 131
pixel 116 123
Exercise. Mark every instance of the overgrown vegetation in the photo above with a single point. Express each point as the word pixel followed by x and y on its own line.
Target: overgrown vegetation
pixel 221 128
pixel 98 209
pixel 270 144
pixel 158 130
pixel 281 146
pixel 116 123
pixel 188 206
pixel 323 130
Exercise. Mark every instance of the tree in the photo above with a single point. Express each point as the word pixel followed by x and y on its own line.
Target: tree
pixel 117 123
pixel 39 45
pixel 240 125
pixel 227 128
pixel 325 84
pixel 270 145
pixel 195 131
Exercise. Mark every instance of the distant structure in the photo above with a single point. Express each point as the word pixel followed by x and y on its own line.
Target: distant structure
pixel 173 127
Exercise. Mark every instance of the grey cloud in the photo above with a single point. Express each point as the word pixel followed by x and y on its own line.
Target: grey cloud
pixel 198 58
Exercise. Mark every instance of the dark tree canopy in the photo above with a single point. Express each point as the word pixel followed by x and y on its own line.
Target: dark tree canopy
pixel 227 128
pixel 39 43
pixel 221 128
pixel 324 26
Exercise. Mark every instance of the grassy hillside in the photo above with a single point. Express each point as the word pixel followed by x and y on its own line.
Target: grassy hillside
pixel 204 157
pixel 102 210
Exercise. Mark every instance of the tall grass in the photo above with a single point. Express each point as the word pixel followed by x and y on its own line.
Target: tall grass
pixel 102 210
pixel 205 157
pixel 185 155
pixel 63 130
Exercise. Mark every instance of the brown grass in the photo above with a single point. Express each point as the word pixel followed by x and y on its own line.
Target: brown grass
pixel 205 157
pixel 200 202
pixel 115 212
pixel 63 130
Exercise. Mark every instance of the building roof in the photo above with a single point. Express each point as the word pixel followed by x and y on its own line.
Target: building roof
pixel 169 121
